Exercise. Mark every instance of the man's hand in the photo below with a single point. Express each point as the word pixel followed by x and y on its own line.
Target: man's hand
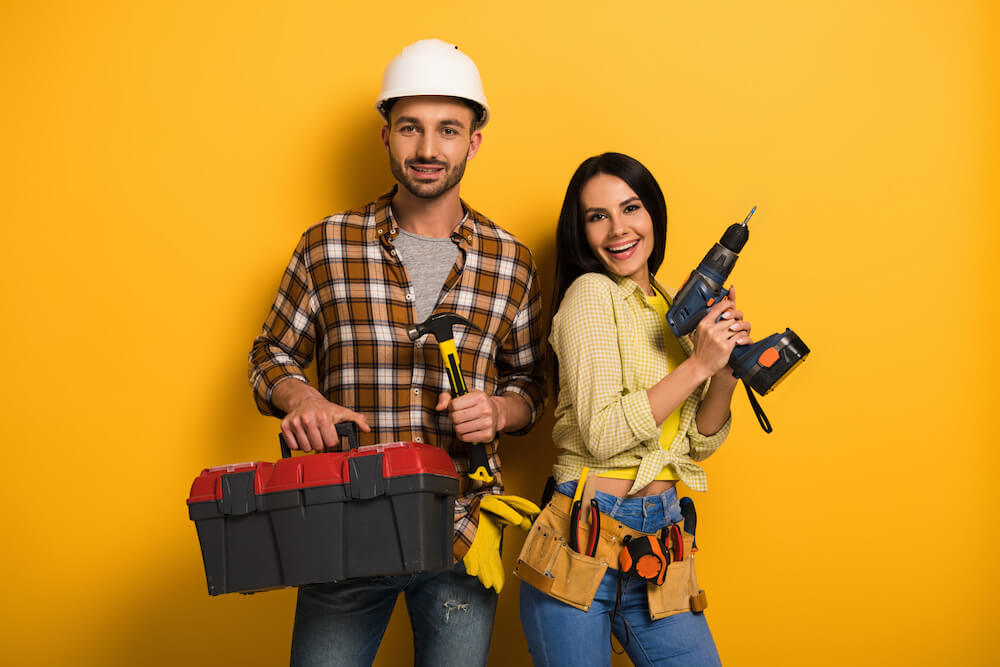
pixel 309 420
pixel 477 416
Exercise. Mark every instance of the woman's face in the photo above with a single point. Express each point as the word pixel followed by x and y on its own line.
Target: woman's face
pixel 618 227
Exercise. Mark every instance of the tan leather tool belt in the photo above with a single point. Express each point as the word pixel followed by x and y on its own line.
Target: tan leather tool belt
pixel 549 564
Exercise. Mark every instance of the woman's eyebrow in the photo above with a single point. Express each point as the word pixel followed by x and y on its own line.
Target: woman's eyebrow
pixel 630 200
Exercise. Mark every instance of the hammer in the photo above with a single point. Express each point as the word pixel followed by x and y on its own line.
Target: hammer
pixel 439 325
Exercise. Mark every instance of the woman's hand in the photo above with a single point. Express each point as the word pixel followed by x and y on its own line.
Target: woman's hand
pixel 714 340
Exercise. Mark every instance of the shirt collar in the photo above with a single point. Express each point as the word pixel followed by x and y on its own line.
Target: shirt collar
pixel 385 228
pixel 466 233
pixel 628 287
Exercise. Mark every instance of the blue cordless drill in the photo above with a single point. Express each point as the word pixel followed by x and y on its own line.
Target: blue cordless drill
pixel 761 365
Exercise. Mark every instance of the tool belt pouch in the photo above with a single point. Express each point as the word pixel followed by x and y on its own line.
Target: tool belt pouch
pixel 679 591
pixel 549 564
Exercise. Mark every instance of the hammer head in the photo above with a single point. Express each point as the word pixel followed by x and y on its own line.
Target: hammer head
pixel 439 325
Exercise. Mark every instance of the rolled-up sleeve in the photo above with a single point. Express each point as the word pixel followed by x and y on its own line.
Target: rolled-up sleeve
pixel 703 446
pixel 520 359
pixel 611 419
pixel 285 346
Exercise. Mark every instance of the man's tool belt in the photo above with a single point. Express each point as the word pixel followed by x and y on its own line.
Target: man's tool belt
pixel 549 564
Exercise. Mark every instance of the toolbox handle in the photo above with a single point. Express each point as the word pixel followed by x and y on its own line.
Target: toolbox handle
pixel 347 430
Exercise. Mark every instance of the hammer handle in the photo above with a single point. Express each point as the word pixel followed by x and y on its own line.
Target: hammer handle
pixel 449 354
pixel 479 464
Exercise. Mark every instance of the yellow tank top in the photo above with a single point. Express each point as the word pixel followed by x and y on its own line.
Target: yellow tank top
pixel 675 355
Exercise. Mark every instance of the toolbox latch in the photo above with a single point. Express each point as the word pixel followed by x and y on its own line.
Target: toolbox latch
pixel 237 493
pixel 366 476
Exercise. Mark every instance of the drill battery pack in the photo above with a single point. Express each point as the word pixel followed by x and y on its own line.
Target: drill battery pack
pixel 379 510
pixel 767 362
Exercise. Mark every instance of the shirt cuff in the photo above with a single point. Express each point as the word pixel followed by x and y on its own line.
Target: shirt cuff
pixel 530 397
pixel 702 446
pixel 639 415
pixel 264 385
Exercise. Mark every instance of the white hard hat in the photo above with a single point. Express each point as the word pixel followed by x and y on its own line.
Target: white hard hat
pixel 432 67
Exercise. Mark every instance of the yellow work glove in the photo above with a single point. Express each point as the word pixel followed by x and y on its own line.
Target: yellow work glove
pixel 483 557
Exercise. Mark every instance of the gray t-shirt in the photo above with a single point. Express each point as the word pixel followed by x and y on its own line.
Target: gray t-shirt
pixel 428 262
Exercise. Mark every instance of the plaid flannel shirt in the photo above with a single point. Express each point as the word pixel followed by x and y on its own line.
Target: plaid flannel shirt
pixel 609 342
pixel 345 298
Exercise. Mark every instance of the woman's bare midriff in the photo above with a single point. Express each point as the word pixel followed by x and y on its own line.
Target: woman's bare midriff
pixel 620 487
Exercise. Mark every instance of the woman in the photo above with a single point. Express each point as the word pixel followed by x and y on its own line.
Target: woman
pixel 636 408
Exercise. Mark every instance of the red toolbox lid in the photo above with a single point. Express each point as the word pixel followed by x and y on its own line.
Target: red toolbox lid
pixel 208 485
pixel 410 458
pixel 398 459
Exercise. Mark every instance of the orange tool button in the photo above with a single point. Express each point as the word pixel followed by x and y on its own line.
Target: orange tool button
pixel 768 357
pixel 710 302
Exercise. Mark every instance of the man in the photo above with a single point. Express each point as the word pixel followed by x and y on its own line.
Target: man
pixel 356 282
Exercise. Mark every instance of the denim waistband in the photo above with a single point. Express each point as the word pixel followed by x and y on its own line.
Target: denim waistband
pixel 647 514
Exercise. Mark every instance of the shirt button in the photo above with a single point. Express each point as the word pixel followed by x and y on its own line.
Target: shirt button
pixel 416 392
pixel 417 439
pixel 468 237
pixel 409 296
pixel 393 252
pixel 379 230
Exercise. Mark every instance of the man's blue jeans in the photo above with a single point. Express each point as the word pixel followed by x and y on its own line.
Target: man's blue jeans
pixel 343 623
pixel 559 634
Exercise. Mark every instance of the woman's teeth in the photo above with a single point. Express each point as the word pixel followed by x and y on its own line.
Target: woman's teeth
pixel 621 249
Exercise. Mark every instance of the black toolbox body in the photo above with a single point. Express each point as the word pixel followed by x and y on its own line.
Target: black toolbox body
pixel 372 511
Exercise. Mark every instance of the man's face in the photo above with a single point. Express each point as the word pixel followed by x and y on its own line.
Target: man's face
pixel 429 139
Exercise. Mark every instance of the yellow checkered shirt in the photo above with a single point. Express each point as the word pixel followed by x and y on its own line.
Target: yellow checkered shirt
pixel 609 343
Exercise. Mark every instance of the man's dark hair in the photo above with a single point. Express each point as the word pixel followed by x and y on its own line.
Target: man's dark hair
pixel 573 254
pixel 477 111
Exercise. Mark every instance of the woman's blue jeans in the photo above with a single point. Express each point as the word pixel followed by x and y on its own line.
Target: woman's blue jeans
pixel 343 623
pixel 559 634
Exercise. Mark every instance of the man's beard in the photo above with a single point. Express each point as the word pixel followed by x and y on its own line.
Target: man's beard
pixel 427 190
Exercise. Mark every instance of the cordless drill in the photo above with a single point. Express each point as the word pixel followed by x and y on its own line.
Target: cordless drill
pixel 761 365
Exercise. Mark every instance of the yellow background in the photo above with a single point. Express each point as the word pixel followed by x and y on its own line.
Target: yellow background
pixel 160 160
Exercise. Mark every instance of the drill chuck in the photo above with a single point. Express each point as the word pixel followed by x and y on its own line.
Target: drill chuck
pixel 736 237
pixel 737 234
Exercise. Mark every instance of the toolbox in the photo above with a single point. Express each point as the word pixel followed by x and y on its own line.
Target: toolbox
pixel 371 511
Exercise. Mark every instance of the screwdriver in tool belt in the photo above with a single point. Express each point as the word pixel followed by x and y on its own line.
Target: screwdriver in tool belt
pixel 574 512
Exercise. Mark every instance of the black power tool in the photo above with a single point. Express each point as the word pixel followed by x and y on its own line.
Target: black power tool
pixel 761 365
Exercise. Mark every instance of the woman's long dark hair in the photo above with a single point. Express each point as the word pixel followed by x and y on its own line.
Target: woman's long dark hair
pixel 573 254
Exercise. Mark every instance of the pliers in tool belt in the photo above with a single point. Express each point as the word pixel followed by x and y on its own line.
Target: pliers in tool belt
pixel 676 547
pixel 574 528
pixel 595 528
